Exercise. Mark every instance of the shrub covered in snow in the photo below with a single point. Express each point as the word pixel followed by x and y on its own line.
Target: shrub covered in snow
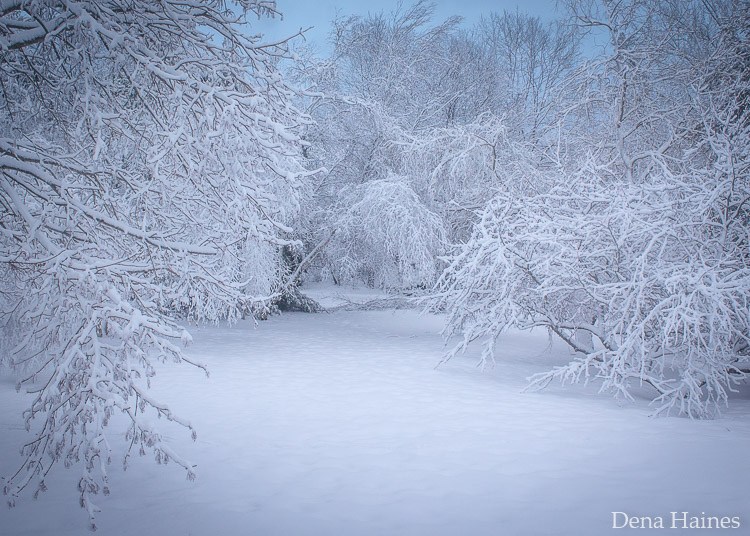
pixel 633 247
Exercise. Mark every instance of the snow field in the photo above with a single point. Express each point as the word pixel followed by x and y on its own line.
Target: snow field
pixel 339 423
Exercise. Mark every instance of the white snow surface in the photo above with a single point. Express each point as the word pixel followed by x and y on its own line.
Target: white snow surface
pixel 340 424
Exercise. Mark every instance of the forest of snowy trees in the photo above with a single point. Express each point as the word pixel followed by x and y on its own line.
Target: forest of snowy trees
pixel 161 163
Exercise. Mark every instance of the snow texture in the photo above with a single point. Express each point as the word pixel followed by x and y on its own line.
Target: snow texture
pixel 340 424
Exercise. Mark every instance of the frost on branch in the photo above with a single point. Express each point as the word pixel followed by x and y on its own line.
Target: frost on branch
pixel 148 169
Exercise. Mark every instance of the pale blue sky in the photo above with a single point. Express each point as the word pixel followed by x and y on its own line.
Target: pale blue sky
pixel 304 13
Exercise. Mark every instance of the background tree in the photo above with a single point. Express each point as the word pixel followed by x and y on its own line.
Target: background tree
pixel 377 87
pixel 432 104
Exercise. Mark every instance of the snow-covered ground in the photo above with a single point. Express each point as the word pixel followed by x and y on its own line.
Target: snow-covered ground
pixel 339 424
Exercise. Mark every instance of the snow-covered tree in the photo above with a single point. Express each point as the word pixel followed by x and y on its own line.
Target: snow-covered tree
pixel 629 240
pixel 460 168
pixel 407 97
pixel 398 60
pixel 379 85
pixel 149 166
pixel 387 237
pixel 523 63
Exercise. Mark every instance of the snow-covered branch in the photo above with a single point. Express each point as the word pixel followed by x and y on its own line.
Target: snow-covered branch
pixel 149 172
